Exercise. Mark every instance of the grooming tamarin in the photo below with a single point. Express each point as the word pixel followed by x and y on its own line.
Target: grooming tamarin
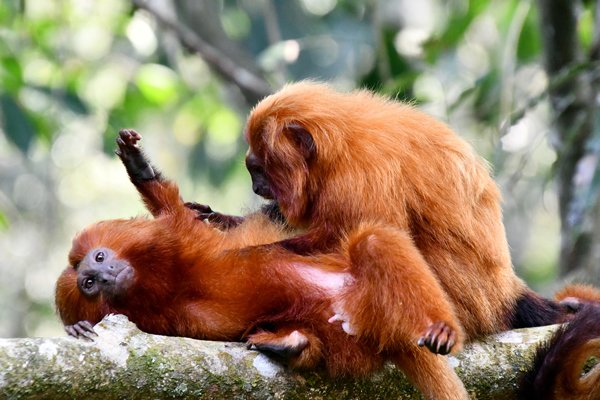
pixel 176 275
pixel 329 161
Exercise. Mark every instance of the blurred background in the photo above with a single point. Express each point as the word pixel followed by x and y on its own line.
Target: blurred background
pixel 516 78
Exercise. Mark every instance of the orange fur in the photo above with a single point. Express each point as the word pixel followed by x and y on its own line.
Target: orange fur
pixel 574 384
pixel 373 291
pixel 193 280
pixel 579 292
pixel 196 281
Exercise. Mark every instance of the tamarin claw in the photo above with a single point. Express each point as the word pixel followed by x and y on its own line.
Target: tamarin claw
pixel 81 330
pixel 439 338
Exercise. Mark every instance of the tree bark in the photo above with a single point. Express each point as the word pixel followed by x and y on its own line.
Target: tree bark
pixel 124 362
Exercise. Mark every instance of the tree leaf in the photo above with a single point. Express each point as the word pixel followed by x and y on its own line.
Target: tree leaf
pixel 16 123
pixel 157 83
pixel 11 74
pixel 67 98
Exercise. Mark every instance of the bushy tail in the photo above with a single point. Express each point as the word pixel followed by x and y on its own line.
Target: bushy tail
pixel 564 367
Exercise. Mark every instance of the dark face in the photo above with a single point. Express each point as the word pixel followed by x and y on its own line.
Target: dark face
pixel 260 183
pixel 102 272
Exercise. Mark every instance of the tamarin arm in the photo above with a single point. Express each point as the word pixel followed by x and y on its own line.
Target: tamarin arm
pixel 158 194
pixel 211 319
pixel 225 222
pixel 136 163
pixel 574 296
pixel 312 242
pixel 81 330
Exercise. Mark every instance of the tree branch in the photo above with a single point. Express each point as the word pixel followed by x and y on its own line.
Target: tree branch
pixel 124 362
pixel 253 86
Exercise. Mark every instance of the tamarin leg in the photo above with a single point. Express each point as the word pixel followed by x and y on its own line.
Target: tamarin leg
pixel 431 374
pixel 302 348
pixel 395 300
pixel 298 348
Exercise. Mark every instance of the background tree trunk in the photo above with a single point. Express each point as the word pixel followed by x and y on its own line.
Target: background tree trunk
pixel 574 105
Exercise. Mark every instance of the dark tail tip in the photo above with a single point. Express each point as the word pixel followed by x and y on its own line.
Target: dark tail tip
pixel 558 364
pixel 533 310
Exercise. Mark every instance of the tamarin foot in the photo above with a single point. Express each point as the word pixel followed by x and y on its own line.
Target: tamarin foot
pixel 439 338
pixel 81 330
pixel 282 348
pixel 221 221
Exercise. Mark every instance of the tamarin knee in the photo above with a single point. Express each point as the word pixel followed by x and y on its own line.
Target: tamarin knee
pixel 374 244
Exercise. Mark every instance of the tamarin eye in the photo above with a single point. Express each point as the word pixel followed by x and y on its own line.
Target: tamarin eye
pixel 100 257
pixel 88 283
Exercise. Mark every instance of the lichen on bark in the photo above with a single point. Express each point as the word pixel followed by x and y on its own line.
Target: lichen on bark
pixel 124 362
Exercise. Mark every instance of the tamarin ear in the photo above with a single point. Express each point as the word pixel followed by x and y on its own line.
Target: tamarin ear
pixel 301 138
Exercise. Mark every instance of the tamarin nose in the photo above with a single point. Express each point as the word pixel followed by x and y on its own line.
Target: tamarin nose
pixel 107 276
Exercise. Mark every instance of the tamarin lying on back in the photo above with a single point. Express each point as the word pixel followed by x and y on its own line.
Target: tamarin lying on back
pixel 175 275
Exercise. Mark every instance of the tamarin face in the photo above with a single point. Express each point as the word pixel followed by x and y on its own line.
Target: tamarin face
pixel 102 272
pixel 279 158
pixel 260 182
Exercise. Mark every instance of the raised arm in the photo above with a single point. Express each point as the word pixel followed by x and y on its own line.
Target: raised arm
pixel 159 195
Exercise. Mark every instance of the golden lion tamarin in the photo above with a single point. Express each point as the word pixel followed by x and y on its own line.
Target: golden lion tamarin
pixel 331 160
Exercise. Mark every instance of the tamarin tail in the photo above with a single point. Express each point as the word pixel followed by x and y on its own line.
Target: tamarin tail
pixel 567 366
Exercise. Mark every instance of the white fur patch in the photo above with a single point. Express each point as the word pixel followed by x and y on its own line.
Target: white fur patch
pixel 331 282
pixel 295 339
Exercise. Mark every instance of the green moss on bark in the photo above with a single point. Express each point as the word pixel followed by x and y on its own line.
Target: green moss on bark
pixel 126 363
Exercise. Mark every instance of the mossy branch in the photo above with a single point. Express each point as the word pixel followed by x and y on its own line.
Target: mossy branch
pixel 124 362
